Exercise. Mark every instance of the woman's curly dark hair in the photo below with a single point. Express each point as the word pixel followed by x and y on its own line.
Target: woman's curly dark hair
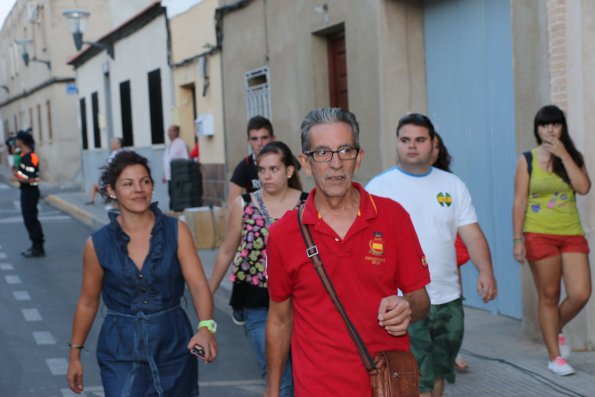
pixel 112 170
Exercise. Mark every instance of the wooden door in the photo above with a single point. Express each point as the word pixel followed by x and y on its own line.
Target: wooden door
pixel 337 64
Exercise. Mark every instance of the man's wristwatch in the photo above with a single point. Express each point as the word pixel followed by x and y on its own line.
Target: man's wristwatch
pixel 210 325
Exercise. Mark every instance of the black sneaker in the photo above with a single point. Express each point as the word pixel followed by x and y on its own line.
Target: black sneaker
pixel 237 316
pixel 33 252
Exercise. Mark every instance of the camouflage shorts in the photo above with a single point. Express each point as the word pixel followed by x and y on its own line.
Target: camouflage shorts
pixel 435 342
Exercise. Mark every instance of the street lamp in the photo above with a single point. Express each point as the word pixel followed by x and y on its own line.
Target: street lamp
pixel 78 24
pixel 23 43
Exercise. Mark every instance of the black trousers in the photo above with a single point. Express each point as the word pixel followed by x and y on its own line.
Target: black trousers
pixel 29 200
pixel 170 191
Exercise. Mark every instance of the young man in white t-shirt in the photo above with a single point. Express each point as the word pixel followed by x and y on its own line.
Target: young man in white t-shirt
pixel 440 207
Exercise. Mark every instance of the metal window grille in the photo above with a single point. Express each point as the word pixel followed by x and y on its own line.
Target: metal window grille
pixel 258 98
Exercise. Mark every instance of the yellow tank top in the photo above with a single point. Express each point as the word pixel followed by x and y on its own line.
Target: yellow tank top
pixel 551 205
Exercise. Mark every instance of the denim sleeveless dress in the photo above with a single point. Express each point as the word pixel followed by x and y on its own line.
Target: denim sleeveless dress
pixel 142 344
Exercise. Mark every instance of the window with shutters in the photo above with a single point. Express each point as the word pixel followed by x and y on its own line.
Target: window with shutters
pixel 258 99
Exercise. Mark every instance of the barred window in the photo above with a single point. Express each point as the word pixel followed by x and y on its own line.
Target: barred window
pixel 258 99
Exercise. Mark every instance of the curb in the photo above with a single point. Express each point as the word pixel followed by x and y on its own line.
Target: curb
pixel 86 217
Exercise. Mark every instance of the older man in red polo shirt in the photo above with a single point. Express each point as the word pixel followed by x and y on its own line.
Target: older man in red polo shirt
pixel 369 249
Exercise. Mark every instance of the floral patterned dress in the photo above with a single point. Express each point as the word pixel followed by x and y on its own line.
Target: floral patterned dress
pixel 250 260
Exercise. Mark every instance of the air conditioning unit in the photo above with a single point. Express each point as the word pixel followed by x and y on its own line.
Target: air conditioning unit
pixel 33 12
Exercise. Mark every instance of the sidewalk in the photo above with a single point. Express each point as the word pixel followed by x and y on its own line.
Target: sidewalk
pixel 501 362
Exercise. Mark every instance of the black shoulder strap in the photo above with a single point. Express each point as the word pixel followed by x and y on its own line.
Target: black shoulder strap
pixel 529 157
pixel 304 196
pixel 312 253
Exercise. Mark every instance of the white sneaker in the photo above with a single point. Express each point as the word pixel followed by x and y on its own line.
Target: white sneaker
pixel 560 367
pixel 563 346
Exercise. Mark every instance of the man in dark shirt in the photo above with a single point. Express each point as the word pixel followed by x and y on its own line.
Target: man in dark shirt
pixel 27 173
pixel 245 175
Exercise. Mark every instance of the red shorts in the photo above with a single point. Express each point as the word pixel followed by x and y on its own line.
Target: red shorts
pixel 540 246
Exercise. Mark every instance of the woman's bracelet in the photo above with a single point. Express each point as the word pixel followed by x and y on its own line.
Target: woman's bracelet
pixel 78 347
pixel 518 240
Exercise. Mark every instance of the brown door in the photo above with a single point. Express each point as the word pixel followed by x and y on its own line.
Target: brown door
pixel 337 63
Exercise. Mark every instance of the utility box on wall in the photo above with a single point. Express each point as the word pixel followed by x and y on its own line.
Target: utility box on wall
pixel 204 125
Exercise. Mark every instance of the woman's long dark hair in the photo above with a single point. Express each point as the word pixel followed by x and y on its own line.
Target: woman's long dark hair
pixel 443 160
pixel 287 158
pixel 552 114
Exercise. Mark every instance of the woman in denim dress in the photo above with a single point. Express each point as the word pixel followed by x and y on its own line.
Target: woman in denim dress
pixel 139 264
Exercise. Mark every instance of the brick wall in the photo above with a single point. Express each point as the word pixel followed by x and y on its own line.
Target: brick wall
pixel 558 56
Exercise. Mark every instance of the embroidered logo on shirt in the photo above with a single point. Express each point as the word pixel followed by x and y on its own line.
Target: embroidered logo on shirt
pixel 377 244
pixel 444 199
pixel 424 262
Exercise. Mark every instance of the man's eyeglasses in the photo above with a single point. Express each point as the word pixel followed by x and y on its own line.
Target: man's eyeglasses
pixel 326 155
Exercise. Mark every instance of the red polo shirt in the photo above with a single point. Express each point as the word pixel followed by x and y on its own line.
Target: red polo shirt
pixel 379 254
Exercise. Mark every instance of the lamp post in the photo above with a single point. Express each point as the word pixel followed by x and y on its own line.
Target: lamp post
pixel 23 43
pixel 78 24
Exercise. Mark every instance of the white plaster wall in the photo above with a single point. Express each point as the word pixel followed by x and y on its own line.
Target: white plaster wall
pixel 136 55
pixel 89 79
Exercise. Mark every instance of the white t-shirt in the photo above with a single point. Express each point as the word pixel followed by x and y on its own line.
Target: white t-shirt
pixel 175 150
pixel 438 203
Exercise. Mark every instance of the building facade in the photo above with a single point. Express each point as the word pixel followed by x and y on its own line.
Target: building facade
pixel 196 63
pixel 41 94
pixel 480 69
pixel 140 91
pixel 128 95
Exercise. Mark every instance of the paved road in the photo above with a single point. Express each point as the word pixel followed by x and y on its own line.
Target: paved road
pixel 37 299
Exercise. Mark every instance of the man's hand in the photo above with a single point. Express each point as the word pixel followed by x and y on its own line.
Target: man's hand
pixel 394 315
pixel 486 286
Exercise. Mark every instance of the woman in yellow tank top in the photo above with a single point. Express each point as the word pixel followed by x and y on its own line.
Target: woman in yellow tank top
pixel 548 232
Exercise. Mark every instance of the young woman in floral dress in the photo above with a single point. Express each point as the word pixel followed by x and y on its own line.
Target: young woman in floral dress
pixel 245 242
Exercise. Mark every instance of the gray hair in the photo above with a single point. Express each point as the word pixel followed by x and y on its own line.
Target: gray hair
pixel 328 116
